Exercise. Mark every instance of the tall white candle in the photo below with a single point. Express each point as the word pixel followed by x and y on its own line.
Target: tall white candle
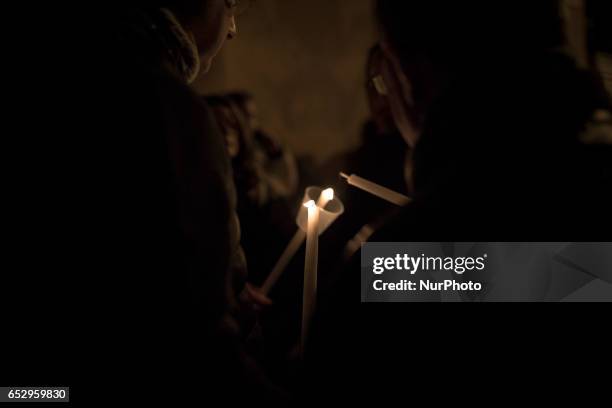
pixel 310 269
pixel 377 190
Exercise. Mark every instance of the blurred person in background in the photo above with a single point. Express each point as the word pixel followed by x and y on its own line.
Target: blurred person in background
pixel 599 51
pixel 266 181
pixel 502 111
pixel 383 157
pixel 279 166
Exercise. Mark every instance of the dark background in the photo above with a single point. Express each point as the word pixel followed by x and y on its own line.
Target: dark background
pixel 508 349
pixel 304 61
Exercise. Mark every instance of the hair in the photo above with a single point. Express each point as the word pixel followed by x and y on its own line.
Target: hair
pixel 375 55
pixel 445 32
pixel 240 99
pixel 185 8
pixel 233 116
pixel 600 29
pixel 215 101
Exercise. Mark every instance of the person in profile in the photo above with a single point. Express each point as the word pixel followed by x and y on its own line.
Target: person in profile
pixel 500 108
pixel 170 278
pixel 502 116
pixel 501 113
pixel 383 157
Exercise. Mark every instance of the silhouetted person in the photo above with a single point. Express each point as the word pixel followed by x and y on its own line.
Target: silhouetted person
pixel 498 111
pixel 157 291
pixel 382 157
pixel 501 112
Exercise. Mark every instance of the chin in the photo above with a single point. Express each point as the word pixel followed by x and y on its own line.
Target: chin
pixel 205 66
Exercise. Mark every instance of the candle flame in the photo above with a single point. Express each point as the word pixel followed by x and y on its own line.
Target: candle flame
pixel 328 194
pixel 310 204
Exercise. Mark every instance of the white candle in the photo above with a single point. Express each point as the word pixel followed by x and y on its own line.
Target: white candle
pixel 325 197
pixel 377 190
pixel 310 268
pixel 294 245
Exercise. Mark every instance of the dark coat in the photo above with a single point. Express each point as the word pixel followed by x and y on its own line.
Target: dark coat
pixel 145 285
pixel 499 160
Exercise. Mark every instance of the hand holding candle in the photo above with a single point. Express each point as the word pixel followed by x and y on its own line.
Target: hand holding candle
pixel 377 190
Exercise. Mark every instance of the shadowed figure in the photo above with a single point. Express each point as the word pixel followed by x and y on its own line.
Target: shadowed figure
pixel 159 290
pixel 499 109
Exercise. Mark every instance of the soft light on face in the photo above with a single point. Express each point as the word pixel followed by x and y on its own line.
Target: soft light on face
pixel 232 30
pixel 214 27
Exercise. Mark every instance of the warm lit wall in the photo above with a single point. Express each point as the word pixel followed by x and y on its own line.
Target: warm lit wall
pixel 304 62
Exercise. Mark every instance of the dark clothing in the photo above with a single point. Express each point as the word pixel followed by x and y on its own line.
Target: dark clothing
pixel 499 160
pixel 382 159
pixel 502 160
pixel 179 201
pixel 159 263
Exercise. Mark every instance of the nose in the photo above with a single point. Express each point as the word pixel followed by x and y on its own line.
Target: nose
pixel 233 30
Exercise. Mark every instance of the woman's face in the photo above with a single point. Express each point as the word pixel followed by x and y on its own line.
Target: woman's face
pixel 213 27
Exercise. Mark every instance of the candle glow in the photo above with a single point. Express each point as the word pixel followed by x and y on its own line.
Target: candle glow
pixel 326 196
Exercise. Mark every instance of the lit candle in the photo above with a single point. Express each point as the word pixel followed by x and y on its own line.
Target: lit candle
pixel 310 268
pixel 325 197
pixel 294 245
pixel 377 190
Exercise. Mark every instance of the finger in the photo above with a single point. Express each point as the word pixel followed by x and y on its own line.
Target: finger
pixel 258 297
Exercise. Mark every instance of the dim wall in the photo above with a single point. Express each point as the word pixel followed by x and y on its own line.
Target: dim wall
pixel 304 62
